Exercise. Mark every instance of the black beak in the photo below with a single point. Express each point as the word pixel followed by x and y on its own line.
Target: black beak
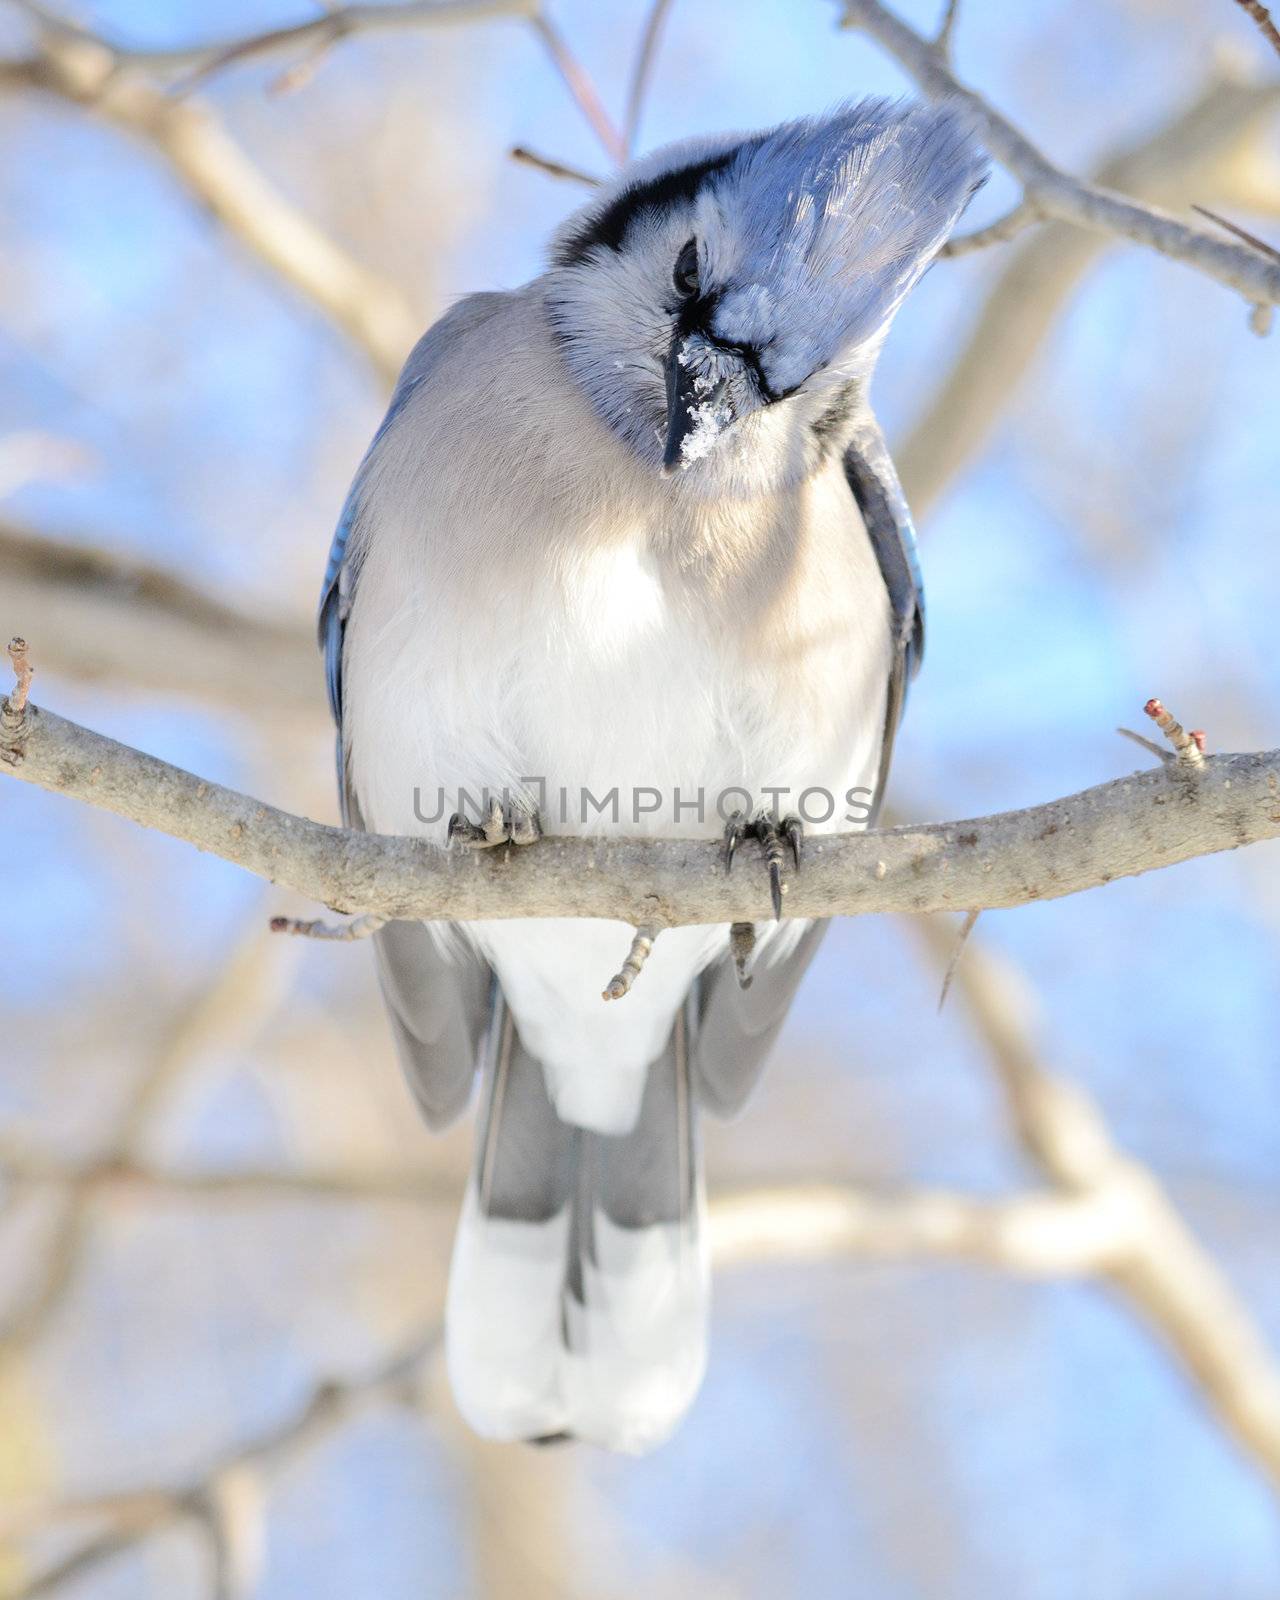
pixel 705 405
pixel 680 402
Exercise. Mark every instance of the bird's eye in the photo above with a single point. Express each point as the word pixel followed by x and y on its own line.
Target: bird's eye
pixel 685 275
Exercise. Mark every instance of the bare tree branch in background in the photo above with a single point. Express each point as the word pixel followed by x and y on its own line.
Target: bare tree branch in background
pixel 553 169
pixel 331 25
pixel 138 1514
pixel 581 89
pixel 1260 15
pixel 120 1169
pixel 88 72
pixel 231 1005
pixel 1074 200
pixel 1048 1235
pixel 1152 1259
pixel 127 624
pixel 1216 145
pixel 1096 1223
pixel 642 72
pixel 1038 1235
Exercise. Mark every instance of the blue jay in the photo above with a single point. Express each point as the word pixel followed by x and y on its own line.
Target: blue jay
pixel 631 527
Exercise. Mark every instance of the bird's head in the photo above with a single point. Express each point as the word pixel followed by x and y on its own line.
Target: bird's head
pixel 722 302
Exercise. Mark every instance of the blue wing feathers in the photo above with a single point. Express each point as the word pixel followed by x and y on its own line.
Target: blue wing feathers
pixel 883 505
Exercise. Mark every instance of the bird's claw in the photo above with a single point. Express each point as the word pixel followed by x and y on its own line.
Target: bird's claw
pixel 735 831
pixel 774 836
pixel 501 823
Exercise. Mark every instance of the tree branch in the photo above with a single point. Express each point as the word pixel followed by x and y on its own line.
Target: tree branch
pixel 114 619
pixel 1039 1233
pixel 1262 18
pixel 642 71
pixel 582 91
pixel 553 169
pixel 1214 146
pixel 1026 214
pixel 334 23
pixel 1055 192
pixel 137 1514
pixel 1150 1256
pixel 1131 825
pixel 241 993
pixel 91 73
pixel 1036 1235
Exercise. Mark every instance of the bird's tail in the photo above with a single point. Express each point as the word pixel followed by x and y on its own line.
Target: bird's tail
pixel 578 1296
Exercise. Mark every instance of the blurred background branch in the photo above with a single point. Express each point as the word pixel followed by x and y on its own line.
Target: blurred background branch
pixel 1223 142
pixel 129 625
pixel 1150 1255
pixel 87 71
pixel 1052 191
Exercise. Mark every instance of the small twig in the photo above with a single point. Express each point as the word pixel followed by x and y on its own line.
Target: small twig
pixel 300 73
pixel 341 932
pixel 553 169
pixel 946 29
pixel 23 672
pixel 1268 250
pixel 643 71
pixel 1189 747
pixel 638 954
pixel 333 23
pixel 580 87
pixel 1015 221
pixel 1266 27
pixel 324 33
pixel 1160 753
pixel 962 939
pixel 13 708
pixel 1261 313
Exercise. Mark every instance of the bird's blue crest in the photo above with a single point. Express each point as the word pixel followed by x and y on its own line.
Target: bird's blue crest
pixel 817 230
pixel 808 237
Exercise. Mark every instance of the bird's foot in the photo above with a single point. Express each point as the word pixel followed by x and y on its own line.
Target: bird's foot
pixel 501 823
pixel 776 836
